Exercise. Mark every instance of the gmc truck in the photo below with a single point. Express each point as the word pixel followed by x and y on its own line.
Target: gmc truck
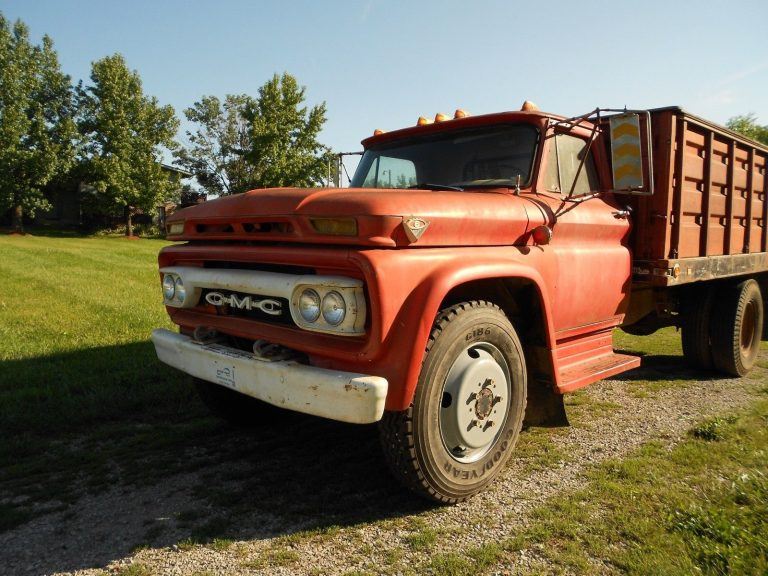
pixel 473 272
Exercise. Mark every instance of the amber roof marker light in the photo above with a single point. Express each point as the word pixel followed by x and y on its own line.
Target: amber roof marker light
pixel 460 113
pixel 529 106
pixel 422 121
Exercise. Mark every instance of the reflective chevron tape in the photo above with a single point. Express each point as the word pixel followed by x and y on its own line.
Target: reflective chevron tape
pixel 626 154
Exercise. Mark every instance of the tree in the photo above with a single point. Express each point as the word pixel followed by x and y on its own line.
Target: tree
pixel 37 128
pixel 124 133
pixel 246 142
pixel 285 150
pixel 217 146
pixel 748 126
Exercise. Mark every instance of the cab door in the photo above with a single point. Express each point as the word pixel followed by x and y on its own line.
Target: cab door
pixel 589 264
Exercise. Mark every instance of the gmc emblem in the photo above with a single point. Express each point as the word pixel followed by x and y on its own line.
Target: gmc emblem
pixel 267 305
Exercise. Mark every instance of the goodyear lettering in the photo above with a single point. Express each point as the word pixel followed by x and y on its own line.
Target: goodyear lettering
pixel 472 473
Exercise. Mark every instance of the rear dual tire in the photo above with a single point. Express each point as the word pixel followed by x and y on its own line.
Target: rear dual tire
pixel 697 319
pixel 737 326
pixel 722 327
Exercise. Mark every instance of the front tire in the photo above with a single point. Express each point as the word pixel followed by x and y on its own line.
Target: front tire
pixel 467 410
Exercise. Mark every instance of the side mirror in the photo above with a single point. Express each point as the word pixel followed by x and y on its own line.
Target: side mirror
pixel 632 170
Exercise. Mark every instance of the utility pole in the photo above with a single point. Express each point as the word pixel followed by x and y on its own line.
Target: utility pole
pixel 340 168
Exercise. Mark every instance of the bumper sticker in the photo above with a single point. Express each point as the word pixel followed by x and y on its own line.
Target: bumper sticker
pixel 226 376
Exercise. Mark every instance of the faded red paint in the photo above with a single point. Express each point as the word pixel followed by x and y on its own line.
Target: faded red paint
pixel 582 277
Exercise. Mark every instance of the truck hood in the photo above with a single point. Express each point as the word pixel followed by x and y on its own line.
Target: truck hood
pixel 382 217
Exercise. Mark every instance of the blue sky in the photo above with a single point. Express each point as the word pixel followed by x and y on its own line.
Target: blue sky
pixel 383 64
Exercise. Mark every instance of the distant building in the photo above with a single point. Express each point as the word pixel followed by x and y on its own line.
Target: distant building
pixel 69 204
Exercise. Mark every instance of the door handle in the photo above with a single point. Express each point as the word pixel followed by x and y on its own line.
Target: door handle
pixel 624 214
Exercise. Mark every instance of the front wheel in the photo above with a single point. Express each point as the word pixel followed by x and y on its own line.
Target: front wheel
pixel 468 406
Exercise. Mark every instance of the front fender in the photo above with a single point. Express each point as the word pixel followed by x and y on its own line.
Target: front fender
pixel 408 288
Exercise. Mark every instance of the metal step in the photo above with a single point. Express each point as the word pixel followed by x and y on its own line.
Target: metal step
pixel 576 376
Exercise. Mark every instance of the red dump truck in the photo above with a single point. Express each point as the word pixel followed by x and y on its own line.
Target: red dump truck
pixel 472 274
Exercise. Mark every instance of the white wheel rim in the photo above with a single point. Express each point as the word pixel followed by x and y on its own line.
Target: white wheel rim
pixel 475 402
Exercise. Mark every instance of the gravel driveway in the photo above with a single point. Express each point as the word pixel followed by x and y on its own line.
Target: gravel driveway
pixel 319 501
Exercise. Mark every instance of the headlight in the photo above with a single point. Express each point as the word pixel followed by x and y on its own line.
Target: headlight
pixel 181 292
pixel 334 308
pixel 169 287
pixel 176 228
pixel 309 305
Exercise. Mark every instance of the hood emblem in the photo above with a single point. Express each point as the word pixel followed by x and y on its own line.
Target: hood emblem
pixel 415 227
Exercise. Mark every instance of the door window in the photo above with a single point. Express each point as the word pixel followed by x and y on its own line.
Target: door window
pixel 565 157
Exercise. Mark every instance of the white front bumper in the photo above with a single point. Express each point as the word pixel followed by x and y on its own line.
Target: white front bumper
pixel 344 396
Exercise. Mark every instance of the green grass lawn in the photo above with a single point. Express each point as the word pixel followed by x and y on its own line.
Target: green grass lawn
pixel 75 315
pixel 76 364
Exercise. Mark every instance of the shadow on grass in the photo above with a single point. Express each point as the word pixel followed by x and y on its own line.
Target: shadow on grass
pixel 110 431
pixel 670 368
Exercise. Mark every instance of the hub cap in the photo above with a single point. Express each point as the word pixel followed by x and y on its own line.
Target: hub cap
pixel 475 400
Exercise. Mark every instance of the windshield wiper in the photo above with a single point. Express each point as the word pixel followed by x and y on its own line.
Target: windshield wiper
pixel 431 186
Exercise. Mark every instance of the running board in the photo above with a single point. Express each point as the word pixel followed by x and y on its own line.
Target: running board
pixel 579 375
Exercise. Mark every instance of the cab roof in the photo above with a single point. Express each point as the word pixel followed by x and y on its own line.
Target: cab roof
pixel 532 117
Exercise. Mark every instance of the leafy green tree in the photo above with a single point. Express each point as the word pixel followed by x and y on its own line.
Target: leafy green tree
pixel 37 128
pixel 245 143
pixel 748 126
pixel 124 133
pixel 217 147
pixel 285 150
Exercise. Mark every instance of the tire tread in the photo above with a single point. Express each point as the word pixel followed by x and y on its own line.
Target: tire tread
pixel 697 348
pixel 732 300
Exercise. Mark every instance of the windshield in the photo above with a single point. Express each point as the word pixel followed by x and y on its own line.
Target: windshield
pixel 493 156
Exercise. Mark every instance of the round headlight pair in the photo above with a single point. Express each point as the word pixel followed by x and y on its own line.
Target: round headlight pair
pixel 332 307
pixel 173 288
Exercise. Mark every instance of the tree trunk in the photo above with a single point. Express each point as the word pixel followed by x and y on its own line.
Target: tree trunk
pixel 128 221
pixel 17 222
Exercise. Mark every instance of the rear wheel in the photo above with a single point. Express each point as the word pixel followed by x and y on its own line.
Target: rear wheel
pixel 697 315
pixel 468 406
pixel 737 326
pixel 236 408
